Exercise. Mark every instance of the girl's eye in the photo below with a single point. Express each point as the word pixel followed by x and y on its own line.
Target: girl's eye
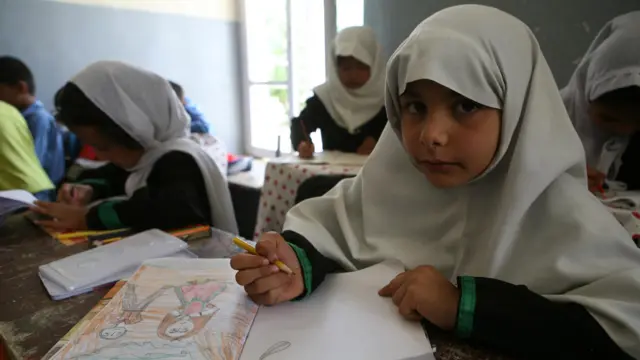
pixel 467 107
pixel 414 108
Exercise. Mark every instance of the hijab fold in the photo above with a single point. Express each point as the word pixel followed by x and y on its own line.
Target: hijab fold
pixel 145 106
pixel 612 62
pixel 528 219
pixel 353 108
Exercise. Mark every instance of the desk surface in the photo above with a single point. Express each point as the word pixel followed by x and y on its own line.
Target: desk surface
pixel 31 323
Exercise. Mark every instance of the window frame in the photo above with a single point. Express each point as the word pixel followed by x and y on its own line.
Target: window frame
pixel 330 31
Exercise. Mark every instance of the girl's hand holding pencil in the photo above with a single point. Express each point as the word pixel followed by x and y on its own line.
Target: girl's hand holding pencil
pixel 306 150
pixel 272 275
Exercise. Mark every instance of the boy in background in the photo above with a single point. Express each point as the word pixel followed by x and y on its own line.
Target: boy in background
pixel 17 88
pixel 199 124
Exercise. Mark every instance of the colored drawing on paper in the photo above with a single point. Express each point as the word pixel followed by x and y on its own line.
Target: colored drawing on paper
pixel 164 313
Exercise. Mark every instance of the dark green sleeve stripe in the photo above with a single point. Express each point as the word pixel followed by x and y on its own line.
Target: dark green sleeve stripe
pixel 101 182
pixel 467 306
pixel 305 266
pixel 108 215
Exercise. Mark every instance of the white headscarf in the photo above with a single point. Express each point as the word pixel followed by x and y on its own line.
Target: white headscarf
pixel 612 62
pixel 353 108
pixel 144 105
pixel 529 219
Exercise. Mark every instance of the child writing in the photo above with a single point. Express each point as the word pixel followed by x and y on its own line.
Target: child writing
pixel 348 108
pixel 17 87
pixel 488 187
pixel 20 166
pixel 157 177
pixel 603 101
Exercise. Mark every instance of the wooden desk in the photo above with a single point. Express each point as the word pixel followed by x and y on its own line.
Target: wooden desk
pixel 31 323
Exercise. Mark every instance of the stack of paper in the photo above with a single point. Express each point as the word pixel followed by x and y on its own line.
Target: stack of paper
pixel 12 201
pixel 81 273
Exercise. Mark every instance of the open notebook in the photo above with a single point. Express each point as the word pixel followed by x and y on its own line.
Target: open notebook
pixel 12 201
pixel 343 319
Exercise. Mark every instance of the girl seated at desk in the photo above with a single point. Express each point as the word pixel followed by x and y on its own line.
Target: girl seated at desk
pixel 348 108
pixel 479 194
pixel 157 177
pixel 603 101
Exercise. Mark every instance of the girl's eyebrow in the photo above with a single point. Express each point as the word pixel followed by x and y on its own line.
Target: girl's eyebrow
pixel 409 93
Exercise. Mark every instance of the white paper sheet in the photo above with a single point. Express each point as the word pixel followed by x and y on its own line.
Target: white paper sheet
pixel 343 319
pixel 18 195
pixel 326 157
pixel 95 265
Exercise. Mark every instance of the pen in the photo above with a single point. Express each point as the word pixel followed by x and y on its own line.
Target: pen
pixel 304 131
pixel 250 249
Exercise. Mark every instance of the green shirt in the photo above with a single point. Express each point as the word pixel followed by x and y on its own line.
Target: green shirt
pixel 19 166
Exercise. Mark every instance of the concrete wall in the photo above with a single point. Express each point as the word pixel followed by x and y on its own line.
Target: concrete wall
pixel 564 28
pixel 195 44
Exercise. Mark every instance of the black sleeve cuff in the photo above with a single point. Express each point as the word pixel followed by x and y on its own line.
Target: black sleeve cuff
pixel 320 264
pixel 514 319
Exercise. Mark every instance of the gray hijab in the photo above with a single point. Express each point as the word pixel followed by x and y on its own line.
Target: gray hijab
pixel 145 107
pixel 612 62
pixel 529 219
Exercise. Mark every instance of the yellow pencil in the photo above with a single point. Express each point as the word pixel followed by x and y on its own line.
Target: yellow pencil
pixel 245 246
pixel 77 234
pixel 109 241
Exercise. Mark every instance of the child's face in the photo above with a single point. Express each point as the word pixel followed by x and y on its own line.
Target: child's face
pixel 617 121
pixel 106 149
pixel 15 95
pixel 451 138
pixel 352 72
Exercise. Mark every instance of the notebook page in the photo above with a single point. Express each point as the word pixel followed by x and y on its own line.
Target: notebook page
pixel 344 319
pixel 18 195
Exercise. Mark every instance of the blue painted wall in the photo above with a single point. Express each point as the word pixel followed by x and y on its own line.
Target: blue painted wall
pixel 57 40
pixel 564 28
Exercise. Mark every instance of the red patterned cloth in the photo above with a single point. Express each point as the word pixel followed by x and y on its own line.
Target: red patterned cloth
pixel 281 183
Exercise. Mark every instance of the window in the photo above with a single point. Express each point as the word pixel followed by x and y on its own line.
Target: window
pixel 285 50
pixel 349 13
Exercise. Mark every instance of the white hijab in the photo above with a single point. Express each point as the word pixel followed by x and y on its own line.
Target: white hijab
pixel 612 62
pixel 145 107
pixel 353 108
pixel 529 219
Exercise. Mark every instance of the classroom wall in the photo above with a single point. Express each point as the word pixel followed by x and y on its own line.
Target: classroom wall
pixel 193 42
pixel 564 28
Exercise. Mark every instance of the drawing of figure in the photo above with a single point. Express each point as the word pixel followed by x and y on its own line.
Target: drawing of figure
pixel 194 312
pixel 131 311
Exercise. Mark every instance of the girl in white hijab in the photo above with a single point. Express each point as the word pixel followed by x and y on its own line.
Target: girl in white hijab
pixel 134 120
pixel 348 108
pixel 603 101
pixel 480 178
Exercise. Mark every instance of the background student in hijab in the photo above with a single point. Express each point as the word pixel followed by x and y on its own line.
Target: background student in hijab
pixel 18 88
pixel 603 101
pixel 133 119
pixel 349 108
pixel 20 168
pixel 488 188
